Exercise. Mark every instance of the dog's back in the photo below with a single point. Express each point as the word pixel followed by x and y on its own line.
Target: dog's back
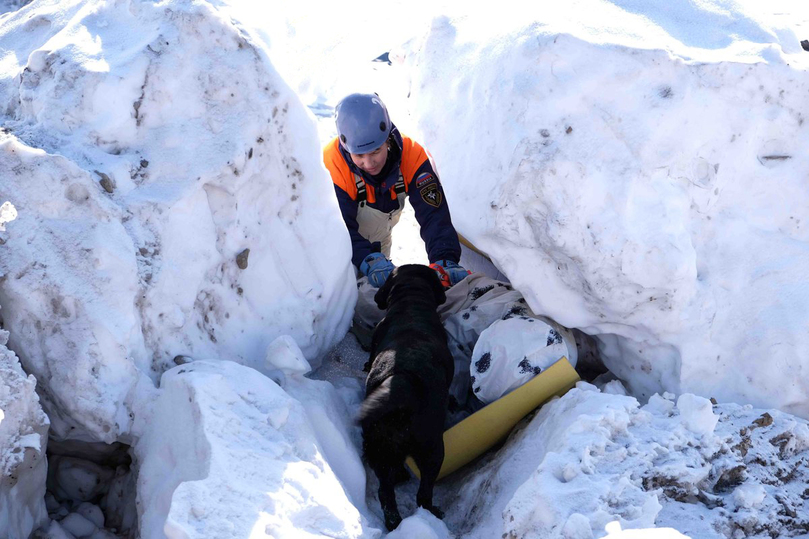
pixel 408 385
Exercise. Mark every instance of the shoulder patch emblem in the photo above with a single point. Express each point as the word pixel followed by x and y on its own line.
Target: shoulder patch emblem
pixel 431 195
pixel 423 178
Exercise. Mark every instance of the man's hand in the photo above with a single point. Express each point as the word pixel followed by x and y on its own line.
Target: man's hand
pixel 449 272
pixel 377 268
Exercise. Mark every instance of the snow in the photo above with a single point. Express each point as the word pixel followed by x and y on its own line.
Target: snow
pixel 175 275
pixel 229 453
pixel 92 513
pixel 23 440
pixel 423 525
pixel 590 458
pixel 77 525
pixel 192 218
pixel 697 414
pixel 641 179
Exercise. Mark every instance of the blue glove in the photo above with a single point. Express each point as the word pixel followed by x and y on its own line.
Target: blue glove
pixel 377 268
pixel 454 270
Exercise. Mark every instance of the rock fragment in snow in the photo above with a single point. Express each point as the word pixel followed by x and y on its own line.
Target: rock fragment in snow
pixel 241 258
pixel 106 182
pixel 764 421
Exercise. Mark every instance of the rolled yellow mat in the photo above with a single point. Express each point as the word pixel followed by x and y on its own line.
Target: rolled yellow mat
pixel 474 435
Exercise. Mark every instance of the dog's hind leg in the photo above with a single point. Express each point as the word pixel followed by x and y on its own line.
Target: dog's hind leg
pixel 429 461
pixel 402 475
pixel 387 496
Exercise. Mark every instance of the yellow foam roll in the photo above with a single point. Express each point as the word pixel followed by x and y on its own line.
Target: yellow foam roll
pixel 474 435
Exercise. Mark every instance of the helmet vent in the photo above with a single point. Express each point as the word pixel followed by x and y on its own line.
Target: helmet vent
pixel 382 126
pixel 343 138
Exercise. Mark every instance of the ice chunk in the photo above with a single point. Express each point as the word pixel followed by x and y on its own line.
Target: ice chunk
pixel 213 465
pixel 285 355
pixel 421 524
pixel 77 525
pixel 92 513
pixel 749 494
pixel 614 531
pixel 659 405
pixel 697 414
pixel 7 214
pixel 577 526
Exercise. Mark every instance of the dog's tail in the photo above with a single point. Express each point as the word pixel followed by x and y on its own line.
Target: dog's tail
pixel 395 393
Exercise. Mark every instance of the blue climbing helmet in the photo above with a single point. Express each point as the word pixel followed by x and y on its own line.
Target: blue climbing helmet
pixel 363 124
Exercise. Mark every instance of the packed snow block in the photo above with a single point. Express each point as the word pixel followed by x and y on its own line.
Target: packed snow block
pixel 68 293
pixel 229 453
pixel 171 201
pixel 652 197
pixel 23 440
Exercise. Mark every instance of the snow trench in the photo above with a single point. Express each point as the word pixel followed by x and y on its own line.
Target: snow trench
pixel 173 265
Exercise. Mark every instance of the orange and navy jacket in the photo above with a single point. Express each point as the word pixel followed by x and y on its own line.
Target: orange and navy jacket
pixel 421 185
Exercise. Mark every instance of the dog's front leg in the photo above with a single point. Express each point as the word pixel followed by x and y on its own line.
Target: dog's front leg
pixel 387 497
pixel 429 462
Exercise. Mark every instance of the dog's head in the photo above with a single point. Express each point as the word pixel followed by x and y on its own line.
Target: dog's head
pixel 411 280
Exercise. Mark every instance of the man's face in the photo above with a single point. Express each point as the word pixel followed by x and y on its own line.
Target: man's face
pixel 371 162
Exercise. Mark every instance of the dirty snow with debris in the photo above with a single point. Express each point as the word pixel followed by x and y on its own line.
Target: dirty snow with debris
pixel 173 262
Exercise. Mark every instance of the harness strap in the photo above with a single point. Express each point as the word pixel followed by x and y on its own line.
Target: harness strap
pixel 362 193
pixel 399 187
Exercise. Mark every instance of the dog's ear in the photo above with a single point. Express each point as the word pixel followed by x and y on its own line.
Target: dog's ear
pixel 381 297
pixel 439 291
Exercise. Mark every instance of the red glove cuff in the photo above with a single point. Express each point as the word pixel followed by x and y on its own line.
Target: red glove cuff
pixel 443 276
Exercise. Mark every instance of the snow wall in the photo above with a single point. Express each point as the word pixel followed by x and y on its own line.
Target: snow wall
pixel 653 198
pixel 23 441
pixel 169 202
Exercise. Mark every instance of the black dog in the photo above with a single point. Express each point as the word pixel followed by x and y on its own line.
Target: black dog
pixel 408 387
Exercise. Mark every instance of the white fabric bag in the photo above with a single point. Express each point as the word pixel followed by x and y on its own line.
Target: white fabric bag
pixel 511 352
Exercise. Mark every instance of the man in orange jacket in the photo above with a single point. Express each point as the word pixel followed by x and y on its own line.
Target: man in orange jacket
pixel 374 168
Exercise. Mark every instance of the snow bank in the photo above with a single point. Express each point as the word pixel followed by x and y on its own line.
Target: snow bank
pixel 590 459
pixel 638 171
pixel 171 201
pixel 23 439
pixel 229 453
